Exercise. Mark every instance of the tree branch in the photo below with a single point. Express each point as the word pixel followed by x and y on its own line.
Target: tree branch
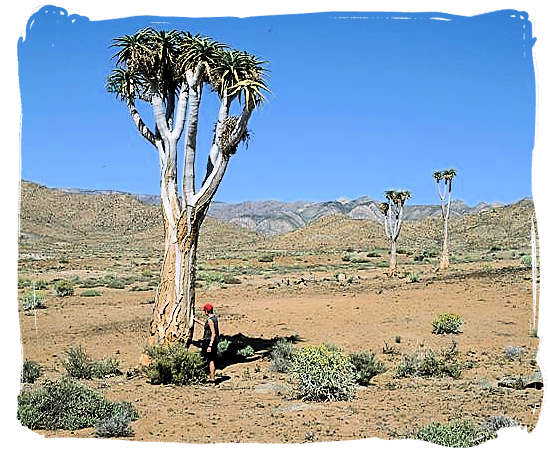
pixel 181 112
pixel 160 118
pixel 195 92
pixel 212 183
pixel 138 121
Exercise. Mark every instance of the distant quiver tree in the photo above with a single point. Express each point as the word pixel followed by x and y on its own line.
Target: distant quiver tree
pixel 393 219
pixel 169 71
pixel 446 176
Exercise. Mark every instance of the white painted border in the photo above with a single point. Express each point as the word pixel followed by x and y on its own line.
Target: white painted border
pixel 15 16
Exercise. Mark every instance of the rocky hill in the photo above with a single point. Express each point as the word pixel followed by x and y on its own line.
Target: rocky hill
pixel 274 217
pixel 52 220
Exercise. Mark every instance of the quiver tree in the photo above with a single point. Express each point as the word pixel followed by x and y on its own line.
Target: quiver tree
pixel 393 219
pixel 446 176
pixel 169 71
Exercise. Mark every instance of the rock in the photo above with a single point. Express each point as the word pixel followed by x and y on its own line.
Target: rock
pixel 270 387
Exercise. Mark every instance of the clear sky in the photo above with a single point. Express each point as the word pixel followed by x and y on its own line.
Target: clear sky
pixel 361 103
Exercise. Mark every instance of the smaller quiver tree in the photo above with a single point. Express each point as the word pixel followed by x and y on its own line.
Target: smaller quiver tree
pixel 446 176
pixel 393 219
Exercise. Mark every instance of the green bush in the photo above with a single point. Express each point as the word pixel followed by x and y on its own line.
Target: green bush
pixel 115 425
pixel 412 277
pixel 267 258
pixel 447 323
pixel 92 282
pixel 64 288
pixel 223 346
pixel 80 366
pixel 108 366
pixel 366 367
pixel 32 300
pixel 455 434
pixel 281 356
pixel 90 293
pixel 40 284
pixel 23 282
pixel 31 371
pixel 429 363
pixel 247 351
pixel 526 260
pixel 174 364
pixel 323 373
pixel 65 404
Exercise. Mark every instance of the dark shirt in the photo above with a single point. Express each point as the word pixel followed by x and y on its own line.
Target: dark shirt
pixel 208 333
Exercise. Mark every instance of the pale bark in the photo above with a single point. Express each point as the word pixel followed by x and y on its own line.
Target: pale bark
pixel 173 311
pixel 393 258
pixel 445 212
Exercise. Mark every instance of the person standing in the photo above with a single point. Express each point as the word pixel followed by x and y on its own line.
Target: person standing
pixel 210 339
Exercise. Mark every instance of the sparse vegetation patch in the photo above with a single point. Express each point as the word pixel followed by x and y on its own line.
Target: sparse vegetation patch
pixel 447 323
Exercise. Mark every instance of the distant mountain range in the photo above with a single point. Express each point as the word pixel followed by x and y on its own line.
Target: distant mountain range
pixel 272 217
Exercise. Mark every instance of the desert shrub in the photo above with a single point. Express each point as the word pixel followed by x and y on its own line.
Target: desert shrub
pixel 267 258
pixel 447 323
pixel 496 422
pixel 23 282
pixel 455 434
pixel 65 404
pixel 373 254
pixel 223 345
pixel 115 425
pixel 323 374
pixel 281 356
pixel 174 364
pixel 230 280
pixel 247 351
pixel 90 293
pixel 64 288
pixel 92 282
pixel 79 365
pixel 31 371
pixel 118 284
pixel 32 300
pixel 40 284
pixel 366 367
pixel 430 363
pixel 355 257
pixel 514 352
pixel 412 277
pixel 141 288
pixel 108 366
pixel 425 255
pixel 526 260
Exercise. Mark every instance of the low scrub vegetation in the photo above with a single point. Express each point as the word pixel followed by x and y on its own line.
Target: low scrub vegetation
pixel 455 434
pixel 447 323
pixel 65 404
pixel 267 258
pixel 323 373
pixel 79 365
pixel 281 356
pixel 115 425
pixel 514 352
pixel 174 364
pixel 64 288
pixel 430 363
pixel 32 300
pixel 31 371
pixel 366 367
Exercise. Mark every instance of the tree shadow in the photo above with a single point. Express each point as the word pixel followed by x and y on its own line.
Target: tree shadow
pixel 242 348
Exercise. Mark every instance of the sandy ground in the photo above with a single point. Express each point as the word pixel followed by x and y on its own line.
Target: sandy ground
pixel 254 404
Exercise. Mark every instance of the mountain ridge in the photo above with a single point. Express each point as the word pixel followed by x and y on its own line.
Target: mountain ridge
pixel 274 217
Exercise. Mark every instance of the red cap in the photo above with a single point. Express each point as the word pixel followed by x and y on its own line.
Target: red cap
pixel 208 308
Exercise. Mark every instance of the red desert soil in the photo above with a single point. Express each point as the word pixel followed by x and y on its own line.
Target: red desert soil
pixel 253 404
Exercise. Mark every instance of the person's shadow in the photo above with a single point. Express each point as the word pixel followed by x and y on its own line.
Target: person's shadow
pixel 239 348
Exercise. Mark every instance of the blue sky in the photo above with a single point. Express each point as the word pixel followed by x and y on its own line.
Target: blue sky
pixel 361 103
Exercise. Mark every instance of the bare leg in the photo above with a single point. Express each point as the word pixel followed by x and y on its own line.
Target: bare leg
pixel 212 370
